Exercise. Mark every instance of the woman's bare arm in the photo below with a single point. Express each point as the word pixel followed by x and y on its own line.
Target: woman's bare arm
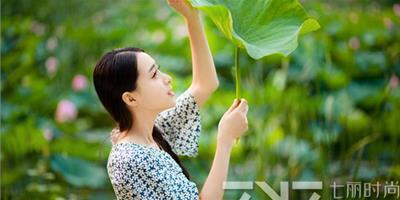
pixel 231 126
pixel 213 186
pixel 205 79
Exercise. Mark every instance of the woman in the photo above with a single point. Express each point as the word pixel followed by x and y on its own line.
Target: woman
pixel 154 128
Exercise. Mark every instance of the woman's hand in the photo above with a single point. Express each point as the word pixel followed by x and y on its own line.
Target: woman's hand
pixel 231 126
pixel 233 123
pixel 184 8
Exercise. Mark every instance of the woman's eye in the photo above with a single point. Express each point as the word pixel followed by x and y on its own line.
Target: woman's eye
pixel 155 73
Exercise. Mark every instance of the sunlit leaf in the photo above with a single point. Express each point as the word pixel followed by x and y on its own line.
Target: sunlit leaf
pixel 262 27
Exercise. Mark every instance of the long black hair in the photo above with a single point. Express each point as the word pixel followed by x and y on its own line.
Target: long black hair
pixel 115 73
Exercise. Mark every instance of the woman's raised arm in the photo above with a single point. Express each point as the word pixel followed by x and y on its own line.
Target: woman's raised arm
pixel 205 80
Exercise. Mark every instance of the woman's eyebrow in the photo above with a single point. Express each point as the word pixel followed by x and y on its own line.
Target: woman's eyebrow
pixel 151 68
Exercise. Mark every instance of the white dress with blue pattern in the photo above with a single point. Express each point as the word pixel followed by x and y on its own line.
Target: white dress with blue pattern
pixel 142 172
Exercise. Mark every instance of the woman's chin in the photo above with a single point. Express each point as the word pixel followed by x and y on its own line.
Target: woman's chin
pixel 172 103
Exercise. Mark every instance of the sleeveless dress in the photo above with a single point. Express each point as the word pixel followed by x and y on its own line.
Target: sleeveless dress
pixel 142 172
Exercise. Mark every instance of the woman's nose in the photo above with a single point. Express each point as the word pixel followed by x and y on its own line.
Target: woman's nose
pixel 168 78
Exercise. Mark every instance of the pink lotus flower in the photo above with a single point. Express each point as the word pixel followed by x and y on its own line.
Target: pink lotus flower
pixel 394 81
pixel 47 134
pixel 51 66
pixel 387 22
pixel 52 43
pixel 396 9
pixel 158 37
pixel 79 82
pixel 354 43
pixel 38 28
pixel 66 111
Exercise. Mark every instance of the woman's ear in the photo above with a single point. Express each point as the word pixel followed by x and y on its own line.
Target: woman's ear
pixel 129 99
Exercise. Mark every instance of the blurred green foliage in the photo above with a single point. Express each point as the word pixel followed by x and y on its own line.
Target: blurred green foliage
pixel 328 112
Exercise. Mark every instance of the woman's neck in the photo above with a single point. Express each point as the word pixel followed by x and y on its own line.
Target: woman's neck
pixel 142 129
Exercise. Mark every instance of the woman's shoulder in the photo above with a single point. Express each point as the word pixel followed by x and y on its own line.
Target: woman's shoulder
pixel 129 154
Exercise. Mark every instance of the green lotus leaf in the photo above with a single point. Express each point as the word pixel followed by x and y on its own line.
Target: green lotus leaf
pixel 262 27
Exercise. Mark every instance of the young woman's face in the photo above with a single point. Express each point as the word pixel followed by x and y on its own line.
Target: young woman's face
pixel 153 86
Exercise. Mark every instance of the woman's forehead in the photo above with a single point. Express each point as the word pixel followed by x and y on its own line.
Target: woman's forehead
pixel 145 61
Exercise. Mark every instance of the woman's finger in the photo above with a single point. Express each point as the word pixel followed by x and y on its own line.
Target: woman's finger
pixel 234 105
pixel 245 109
pixel 243 105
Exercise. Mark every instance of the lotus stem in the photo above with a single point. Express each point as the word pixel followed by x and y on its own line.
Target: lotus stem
pixel 237 70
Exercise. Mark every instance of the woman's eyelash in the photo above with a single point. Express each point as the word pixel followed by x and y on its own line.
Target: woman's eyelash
pixel 155 73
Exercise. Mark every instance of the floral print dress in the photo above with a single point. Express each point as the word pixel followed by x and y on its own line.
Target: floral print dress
pixel 142 172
